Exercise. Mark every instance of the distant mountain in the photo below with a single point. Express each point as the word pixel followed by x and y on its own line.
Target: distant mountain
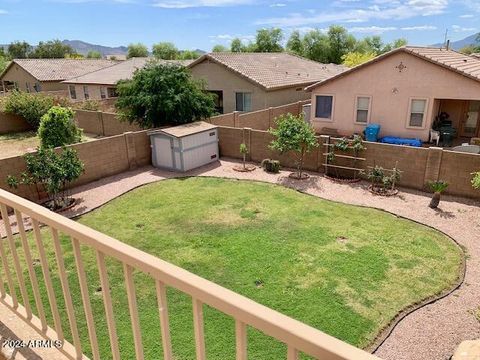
pixel 457 45
pixel 83 48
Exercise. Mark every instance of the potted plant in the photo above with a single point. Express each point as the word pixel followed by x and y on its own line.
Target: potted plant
pixel 437 187
pixel 244 167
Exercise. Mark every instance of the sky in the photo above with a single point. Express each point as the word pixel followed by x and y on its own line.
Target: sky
pixel 192 24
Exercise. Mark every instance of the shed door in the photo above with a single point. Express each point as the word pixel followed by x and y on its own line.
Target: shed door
pixel 163 152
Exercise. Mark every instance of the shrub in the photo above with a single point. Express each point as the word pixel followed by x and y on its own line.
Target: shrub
pixel 272 166
pixel 437 187
pixel 90 105
pixel 476 180
pixel 57 128
pixel 29 106
pixel 52 171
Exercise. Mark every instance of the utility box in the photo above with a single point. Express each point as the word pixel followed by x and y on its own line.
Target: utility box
pixel 184 147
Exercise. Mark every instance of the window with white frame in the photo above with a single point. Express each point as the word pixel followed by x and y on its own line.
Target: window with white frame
pixel 362 109
pixel 243 101
pixel 73 92
pixel 103 93
pixel 324 106
pixel 417 112
pixel 85 92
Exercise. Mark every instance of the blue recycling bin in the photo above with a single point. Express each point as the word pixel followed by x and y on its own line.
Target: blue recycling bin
pixel 371 132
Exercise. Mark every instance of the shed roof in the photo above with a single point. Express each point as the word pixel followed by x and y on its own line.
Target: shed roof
pixel 273 71
pixel 462 64
pixel 185 130
pixel 120 71
pixel 58 69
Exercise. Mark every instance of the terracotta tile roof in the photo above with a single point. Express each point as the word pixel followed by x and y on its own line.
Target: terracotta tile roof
pixel 476 55
pixel 59 69
pixel 120 71
pixel 462 64
pixel 273 70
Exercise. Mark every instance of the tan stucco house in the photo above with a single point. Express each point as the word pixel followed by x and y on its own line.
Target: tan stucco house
pixel 404 91
pixel 35 75
pixel 101 84
pixel 254 81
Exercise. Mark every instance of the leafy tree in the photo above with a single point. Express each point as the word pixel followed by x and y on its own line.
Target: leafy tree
pixel 468 50
pixel 219 48
pixel 356 58
pixel 92 54
pixel 57 128
pixel 3 63
pixel 53 171
pixel 53 49
pixel 161 94
pixel 137 50
pixel 19 50
pixel 295 44
pixel 236 45
pixel 340 43
pixel 476 180
pixel 293 134
pixel 29 106
pixel 188 55
pixel 316 46
pixel 269 40
pixel 165 50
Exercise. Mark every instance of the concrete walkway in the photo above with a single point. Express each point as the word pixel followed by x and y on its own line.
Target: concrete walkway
pixel 430 333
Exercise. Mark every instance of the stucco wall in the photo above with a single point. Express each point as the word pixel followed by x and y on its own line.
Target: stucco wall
pixel 10 123
pixel 391 92
pixel 217 77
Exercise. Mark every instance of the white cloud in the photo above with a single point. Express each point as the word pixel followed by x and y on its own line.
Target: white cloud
pixel 419 27
pixel 278 5
pixel 382 10
pixel 3 12
pixel 227 38
pixel 458 28
pixel 467 16
pixel 372 29
pixel 183 4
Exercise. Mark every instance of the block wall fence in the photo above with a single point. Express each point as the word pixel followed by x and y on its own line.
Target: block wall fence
pixel 12 123
pixel 102 123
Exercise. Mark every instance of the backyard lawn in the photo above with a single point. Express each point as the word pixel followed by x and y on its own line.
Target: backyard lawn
pixel 343 269
pixel 19 143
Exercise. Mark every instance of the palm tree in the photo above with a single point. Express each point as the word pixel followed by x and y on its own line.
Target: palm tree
pixel 437 187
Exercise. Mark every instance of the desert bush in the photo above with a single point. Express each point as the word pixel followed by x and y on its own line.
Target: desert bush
pixel 57 128
pixel 476 180
pixel 29 106
pixel 270 165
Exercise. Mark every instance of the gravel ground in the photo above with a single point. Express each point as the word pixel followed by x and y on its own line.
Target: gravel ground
pixel 430 333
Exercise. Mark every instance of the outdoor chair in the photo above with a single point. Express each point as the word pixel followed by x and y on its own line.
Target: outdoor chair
pixel 434 136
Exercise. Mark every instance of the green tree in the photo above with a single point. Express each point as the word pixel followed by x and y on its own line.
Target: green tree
pixel 352 59
pixel 3 63
pixel 161 94
pixel 137 50
pixel 53 49
pixel 295 44
pixel 269 40
pixel 19 50
pixel 165 50
pixel 92 54
pixel 339 43
pixel 476 180
pixel 57 128
pixel 316 46
pixel 219 48
pixel 293 134
pixel 29 106
pixel 188 55
pixel 236 45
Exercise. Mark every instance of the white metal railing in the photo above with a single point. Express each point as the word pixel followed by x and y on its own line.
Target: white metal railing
pixel 299 337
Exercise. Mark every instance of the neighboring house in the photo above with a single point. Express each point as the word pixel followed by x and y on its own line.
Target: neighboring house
pixel 101 84
pixel 254 81
pixel 403 90
pixel 35 75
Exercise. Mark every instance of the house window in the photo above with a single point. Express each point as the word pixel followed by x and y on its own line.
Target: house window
pixel 37 87
pixel 73 91
pixel 323 106
pixel 112 92
pixel 417 112
pixel 85 93
pixel 362 109
pixel 103 94
pixel 27 86
pixel 243 101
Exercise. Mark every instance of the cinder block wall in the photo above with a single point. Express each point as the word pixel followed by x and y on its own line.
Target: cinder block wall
pixel 102 158
pixel 102 123
pixel 12 123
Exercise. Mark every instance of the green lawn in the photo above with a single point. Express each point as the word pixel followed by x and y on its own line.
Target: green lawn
pixel 345 270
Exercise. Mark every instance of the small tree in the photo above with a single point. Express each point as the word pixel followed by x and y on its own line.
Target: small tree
pixel 476 180
pixel 165 50
pixel 93 54
pixel 437 187
pixel 29 106
pixel 137 50
pixel 57 128
pixel 293 134
pixel 244 152
pixel 161 94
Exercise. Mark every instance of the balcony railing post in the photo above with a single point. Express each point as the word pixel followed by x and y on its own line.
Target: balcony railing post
pixel 132 305
pixel 16 261
pixel 31 271
pixel 241 340
pixel 164 322
pixel 198 329
pixel 292 353
pixel 6 267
